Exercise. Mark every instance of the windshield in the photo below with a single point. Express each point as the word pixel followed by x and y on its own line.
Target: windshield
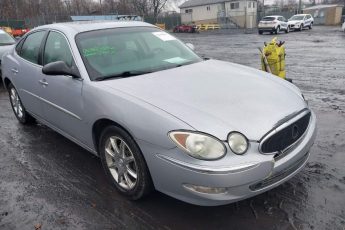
pixel 297 18
pixel 6 39
pixel 268 19
pixel 131 51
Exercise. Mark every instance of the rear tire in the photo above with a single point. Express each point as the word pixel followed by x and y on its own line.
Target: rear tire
pixel 277 30
pixel 18 109
pixel 124 164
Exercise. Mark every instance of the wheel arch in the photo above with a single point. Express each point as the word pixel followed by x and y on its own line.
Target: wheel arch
pixel 100 125
pixel 7 82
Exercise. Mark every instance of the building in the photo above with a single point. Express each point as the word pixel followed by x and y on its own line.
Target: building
pixel 325 14
pixel 243 13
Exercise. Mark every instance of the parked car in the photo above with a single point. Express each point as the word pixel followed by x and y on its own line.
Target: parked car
pixel 273 24
pixel 206 132
pixel 19 32
pixel 6 44
pixel 186 29
pixel 301 21
pixel 343 27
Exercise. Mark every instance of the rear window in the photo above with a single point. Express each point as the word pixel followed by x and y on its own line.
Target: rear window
pixel 6 39
pixel 268 19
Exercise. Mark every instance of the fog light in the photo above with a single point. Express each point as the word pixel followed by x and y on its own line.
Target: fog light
pixel 204 189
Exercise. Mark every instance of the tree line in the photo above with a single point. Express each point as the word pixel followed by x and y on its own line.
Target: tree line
pixel 22 9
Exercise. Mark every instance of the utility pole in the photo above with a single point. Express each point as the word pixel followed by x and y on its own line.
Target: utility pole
pixel 100 3
pixel 299 6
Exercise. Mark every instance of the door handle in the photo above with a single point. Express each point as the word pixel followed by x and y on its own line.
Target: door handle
pixel 43 82
pixel 15 71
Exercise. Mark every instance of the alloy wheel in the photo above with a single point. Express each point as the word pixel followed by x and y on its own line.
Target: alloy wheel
pixel 16 103
pixel 121 162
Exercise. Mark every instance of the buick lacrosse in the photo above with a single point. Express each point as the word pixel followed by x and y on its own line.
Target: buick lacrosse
pixel 160 117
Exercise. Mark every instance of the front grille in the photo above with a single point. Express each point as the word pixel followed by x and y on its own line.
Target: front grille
pixel 287 136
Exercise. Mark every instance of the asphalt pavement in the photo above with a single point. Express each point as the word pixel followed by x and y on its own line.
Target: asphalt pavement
pixel 48 182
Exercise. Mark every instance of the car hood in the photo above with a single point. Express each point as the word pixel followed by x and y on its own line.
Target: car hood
pixel 295 21
pixel 217 97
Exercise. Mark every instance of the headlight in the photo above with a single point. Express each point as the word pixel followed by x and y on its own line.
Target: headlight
pixel 238 143
pixel 198 145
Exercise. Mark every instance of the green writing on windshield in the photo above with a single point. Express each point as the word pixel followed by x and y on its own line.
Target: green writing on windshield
pixel 98 51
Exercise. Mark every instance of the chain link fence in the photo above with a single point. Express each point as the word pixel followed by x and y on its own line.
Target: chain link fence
pixel 170 21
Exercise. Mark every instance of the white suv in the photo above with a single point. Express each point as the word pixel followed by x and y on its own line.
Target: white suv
pixel 301 21
pixel 273 24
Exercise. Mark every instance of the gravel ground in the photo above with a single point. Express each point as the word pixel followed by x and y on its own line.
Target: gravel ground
pixel 48 182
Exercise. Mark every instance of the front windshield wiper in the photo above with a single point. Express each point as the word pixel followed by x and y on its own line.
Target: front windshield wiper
pixel 186 63
pixel 122 75
pixel 6 44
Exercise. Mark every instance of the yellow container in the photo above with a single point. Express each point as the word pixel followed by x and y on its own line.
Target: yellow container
pixel 275 55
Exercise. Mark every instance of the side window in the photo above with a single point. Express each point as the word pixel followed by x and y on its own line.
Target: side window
pixel 19 46
pixel 31 47
pixel 57 49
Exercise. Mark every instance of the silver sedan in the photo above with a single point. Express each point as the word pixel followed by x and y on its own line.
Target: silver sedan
pixel 160 117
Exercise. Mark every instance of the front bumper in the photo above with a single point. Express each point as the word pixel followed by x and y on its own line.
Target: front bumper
pixel 241 176
pixel 293 26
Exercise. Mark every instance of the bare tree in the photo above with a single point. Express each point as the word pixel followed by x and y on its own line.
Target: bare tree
pixel 158 6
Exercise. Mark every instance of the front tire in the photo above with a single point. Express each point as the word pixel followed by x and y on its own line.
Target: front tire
pixel 260 32
pixel 287 30
pixel 311 26
pixel 17 106
pixel 301 27
pixel 124 163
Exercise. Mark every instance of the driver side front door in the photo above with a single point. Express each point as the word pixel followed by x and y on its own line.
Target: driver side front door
pixel 62 95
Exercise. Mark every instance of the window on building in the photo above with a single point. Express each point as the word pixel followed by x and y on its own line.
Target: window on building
pixel 254 5
pixel 208 8
pixel 188 11
pixel 234 5
pixel 249 5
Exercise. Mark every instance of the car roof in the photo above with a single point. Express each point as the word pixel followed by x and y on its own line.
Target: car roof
pixel 273 16
pixel 84 26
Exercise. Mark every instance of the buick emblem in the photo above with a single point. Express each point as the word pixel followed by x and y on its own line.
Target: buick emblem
pixel 295 132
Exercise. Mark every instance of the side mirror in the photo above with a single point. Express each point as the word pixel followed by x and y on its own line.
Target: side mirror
pixel 60 68
pixel 190 46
